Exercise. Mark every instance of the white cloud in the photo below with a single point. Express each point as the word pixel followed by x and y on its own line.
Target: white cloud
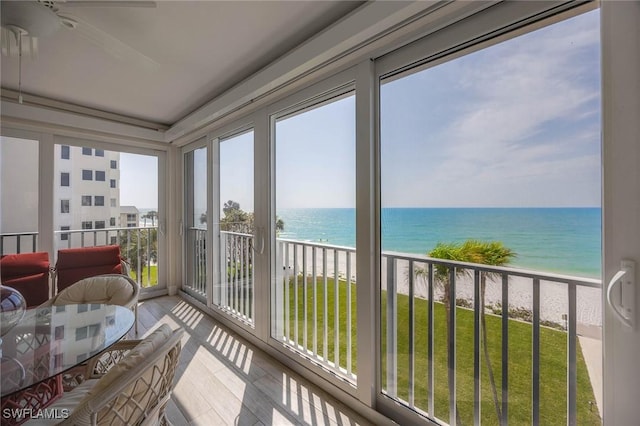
pixel 514 140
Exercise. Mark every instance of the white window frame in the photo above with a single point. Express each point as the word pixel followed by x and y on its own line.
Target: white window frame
pixel 620 28
pixel 187 201
pixel 323 92
pixel 163 182
pixel 490 26
pixel 215 138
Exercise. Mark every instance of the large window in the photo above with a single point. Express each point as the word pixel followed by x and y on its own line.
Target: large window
pixel 64 206
pixel 313 297
pixel 195 166
pixel 64 236
pixel 64 152
pixel 64 179
pixel 133 187
pixel 493 158
pixel 19 175
pixel 233 289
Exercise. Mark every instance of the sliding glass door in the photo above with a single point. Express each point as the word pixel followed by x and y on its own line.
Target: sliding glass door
pixel 313 289
pixel 233 281
pixel 195 225
pixel 490 212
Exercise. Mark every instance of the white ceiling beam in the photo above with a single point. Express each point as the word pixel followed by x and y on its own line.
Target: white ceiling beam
pixel 28 117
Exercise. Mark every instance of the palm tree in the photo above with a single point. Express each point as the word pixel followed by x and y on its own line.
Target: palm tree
pixel 496 254
pixel 134 244
pixel 152 215
pixel 447 251
pixel 472 251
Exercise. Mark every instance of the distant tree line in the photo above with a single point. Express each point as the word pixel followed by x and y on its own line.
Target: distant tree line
pixel 237 220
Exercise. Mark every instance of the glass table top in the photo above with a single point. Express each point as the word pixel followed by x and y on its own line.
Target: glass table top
pixel 48 341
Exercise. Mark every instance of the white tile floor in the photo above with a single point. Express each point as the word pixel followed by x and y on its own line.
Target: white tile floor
pixel 223 380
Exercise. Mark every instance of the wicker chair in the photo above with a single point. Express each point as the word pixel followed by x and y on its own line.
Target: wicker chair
pixel 130 384
pixel 112 289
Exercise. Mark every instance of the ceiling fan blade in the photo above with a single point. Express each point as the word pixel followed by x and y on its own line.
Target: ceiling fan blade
pixel 115 3
pixel 110 44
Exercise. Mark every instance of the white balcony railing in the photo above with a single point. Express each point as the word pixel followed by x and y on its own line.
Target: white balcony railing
pixel 196 262
pixel 18 242
pixel 233 285
pixel 314 311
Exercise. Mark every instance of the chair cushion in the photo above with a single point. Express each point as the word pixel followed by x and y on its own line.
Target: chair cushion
pixel 75 264
pixel 107 289
pixel 29 274
pixel 88 256
pixel 19 265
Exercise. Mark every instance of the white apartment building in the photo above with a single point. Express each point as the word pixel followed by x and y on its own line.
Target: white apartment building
pixel 129 217
pixel 86 194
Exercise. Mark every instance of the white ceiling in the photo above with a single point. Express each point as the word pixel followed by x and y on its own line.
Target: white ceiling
pixel 195 51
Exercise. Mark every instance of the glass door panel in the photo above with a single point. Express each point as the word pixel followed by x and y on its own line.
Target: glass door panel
pixel 313 295
pixel 234 281
pixel 18 195
pixel 104 197
pixel 196 222
pixel 490 165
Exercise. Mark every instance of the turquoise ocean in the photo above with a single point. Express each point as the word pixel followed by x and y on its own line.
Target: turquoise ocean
pixel 561 240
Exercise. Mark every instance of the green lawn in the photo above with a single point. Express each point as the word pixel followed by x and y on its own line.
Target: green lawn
pixel 553 358
pixel 145 282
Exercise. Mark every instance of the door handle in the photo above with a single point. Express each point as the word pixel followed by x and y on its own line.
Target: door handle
pixel 624 309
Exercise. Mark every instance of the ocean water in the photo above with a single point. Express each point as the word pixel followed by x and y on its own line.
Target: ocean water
pixel 562 240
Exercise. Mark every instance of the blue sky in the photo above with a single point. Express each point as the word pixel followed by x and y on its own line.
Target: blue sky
pixel 516 124
pixel 236 170
pixel 513 125
pixel 138 181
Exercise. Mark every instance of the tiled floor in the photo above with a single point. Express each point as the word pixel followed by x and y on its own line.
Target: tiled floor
pixel 223 380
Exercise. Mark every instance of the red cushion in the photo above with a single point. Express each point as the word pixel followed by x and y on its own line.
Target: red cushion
pixel 16 265
pixel 78 263
pixel 29 274
pixel 88 256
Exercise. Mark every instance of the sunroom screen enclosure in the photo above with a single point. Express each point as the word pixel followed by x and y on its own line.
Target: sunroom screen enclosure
pixel 483 304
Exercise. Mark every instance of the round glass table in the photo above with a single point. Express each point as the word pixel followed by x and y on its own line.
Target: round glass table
pixel 49 341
